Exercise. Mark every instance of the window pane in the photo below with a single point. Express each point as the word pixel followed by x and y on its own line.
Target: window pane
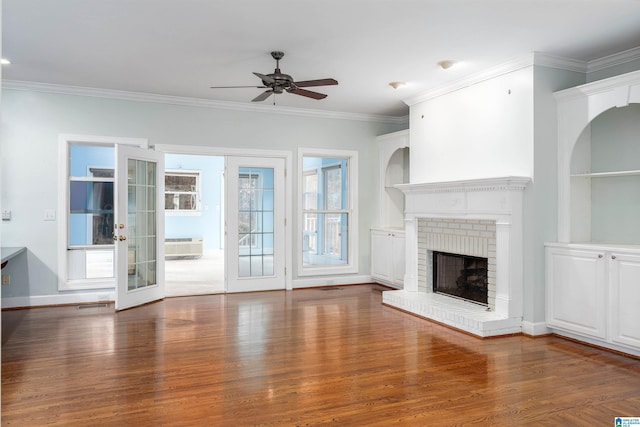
pixel 91 213
pixel 333 188
pixel 325 239
pixel 88 160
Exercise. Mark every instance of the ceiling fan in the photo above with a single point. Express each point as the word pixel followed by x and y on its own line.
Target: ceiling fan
pixel 277 82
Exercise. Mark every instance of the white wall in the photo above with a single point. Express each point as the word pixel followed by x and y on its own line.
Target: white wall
pixel 541 196
pixel 32 121
pixel 481 131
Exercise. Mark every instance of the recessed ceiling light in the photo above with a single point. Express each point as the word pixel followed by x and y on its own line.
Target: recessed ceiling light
pixel 5 61
pixel 446 63
pixel 397 85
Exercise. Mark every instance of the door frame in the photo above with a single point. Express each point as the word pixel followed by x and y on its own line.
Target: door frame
pixel 242 152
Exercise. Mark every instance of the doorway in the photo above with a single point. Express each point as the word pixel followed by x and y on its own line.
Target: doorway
pixel 194 224
pixel 224 231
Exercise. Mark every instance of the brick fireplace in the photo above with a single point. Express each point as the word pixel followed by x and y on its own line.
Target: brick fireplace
pixel 479 218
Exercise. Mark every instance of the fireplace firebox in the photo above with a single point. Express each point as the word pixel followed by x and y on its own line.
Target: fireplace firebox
pixel 461 276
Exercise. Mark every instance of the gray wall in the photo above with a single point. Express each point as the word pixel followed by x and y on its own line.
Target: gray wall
pixel 32 121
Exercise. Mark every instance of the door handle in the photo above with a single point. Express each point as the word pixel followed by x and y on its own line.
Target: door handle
pixel 122 238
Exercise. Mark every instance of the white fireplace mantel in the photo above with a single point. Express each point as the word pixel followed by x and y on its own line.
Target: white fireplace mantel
pixel 496 199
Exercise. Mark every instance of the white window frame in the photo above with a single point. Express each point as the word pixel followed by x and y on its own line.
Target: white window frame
pixel 352 212
pixel 198 193
pixel 64 143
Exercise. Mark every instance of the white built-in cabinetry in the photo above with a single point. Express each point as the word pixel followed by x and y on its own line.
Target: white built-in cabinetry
pixel 387 240
pixel 593 271
pixel 387 256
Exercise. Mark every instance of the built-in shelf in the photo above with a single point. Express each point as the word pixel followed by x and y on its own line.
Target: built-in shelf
pixel 606 174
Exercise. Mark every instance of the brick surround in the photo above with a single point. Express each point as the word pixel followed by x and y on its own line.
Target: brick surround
pixel 472 237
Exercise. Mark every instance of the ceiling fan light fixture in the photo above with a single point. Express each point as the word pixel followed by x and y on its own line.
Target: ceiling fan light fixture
pixel 446 63
pixel 397 85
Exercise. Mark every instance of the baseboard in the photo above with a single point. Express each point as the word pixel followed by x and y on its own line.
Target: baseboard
pixel 44 300
pixel 535 329
pixel 331 281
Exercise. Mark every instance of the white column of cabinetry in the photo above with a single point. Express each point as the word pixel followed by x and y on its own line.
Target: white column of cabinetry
pixel 594 292
pixel 388 240
pixel 593 273
pixel 387 257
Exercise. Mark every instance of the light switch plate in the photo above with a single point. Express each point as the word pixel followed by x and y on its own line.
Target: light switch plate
pixel 49 215
pixel 6 214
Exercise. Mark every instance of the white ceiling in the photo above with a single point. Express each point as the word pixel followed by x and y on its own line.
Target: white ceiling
pixel 181 47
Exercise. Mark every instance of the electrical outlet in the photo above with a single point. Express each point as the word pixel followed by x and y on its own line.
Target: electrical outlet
pixel 6 279
pixel 6 214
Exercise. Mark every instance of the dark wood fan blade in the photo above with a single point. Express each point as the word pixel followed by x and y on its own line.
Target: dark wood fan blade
pixel 264 95
pixel 265 78
pixel 307 93
pixel 319 82
pixel 236 87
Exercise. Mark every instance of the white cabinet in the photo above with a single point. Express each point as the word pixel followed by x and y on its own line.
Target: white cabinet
pixel 593 292
pixel 576 285
pixel 387 257
pixel 625 299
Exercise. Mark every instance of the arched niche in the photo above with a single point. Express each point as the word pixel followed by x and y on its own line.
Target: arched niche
pixel 596 167
pixel 394 169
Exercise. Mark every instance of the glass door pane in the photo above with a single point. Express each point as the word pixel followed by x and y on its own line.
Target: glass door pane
pixel 255 222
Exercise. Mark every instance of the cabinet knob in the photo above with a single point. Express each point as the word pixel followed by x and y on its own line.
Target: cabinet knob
pixel 599 255
pixel 613 257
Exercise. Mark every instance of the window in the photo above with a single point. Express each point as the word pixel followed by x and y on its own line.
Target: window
pixel 328 212
pixel 87 217
pixel 182 192
pixel 90 210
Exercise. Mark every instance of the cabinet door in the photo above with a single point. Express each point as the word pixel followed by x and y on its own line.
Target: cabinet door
pixel 625 299
pixel 397 258
pixel 381 255
pixel 576 291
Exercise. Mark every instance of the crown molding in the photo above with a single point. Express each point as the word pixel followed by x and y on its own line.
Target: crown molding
pixel 534 58
pixel 613 60
pixel 559 62
pixel 195 102
pixel 488 74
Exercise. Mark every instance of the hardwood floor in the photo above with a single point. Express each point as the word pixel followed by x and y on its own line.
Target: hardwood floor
pixel 307 357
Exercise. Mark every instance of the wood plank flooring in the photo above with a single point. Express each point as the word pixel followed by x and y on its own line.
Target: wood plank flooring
pixel 301 358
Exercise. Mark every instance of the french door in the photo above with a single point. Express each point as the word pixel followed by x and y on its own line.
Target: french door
pixel 138 232
pixel 255 247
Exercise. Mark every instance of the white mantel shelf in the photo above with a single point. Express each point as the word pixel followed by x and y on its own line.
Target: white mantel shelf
pixel 482 184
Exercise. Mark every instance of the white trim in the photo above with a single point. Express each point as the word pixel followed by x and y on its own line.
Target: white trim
pixel 488 74
pixel 353 187
pixel 524 61
pixel 64 140
pixel 535 328
pixel 331 281
pixel 613 60
pixel 195 102
pixel 71 298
